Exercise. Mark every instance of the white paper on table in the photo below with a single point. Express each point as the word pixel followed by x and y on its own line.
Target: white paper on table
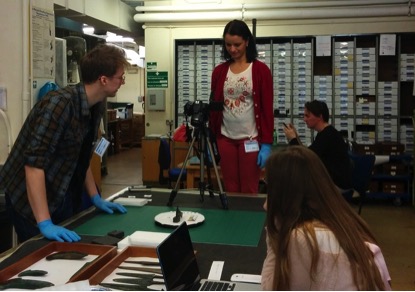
pixel 126 201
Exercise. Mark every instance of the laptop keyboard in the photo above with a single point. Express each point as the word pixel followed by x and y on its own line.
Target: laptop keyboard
pixel 217 286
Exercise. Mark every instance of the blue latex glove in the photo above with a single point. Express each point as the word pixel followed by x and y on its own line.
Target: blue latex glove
pixel 263 155
pixel 107 206
pixel 55 232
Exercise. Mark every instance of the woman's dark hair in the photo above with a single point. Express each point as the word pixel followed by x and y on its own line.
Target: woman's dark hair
pixel 239 28
pixel 318 108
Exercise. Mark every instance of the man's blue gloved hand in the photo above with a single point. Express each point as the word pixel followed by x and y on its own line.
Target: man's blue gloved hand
pixel 107 206
pixel 263 155
pixel 55 232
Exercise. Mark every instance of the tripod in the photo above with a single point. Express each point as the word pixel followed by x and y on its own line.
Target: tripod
pixel 202 135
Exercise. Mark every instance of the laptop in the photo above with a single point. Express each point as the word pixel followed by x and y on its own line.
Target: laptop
pixel 181 271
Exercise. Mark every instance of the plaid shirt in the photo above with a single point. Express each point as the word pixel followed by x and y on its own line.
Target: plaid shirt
pixel 59 131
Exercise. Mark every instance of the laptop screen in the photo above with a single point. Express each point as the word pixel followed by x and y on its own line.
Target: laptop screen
pixel 177 260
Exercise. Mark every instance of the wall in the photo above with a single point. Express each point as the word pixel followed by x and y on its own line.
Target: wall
pixel 160 39
pixel 15 54
pixel 132 89
pixel 159 43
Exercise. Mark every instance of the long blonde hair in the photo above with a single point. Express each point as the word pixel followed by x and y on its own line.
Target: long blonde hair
pixel 300 191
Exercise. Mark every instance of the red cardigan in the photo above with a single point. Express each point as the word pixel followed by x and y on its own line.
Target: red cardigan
pixel 263 94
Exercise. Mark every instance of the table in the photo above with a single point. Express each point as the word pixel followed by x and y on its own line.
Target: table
pixel 238 259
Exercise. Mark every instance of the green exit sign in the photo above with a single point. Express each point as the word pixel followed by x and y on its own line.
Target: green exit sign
pixel 157 79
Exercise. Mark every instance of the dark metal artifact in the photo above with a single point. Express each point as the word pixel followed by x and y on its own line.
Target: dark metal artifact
pixel 19 283
pixel 140 275
pixel 144 263
pixel 66 255
pixel 178 216
pixel 136 281
pixel 142 269
pixel 33 273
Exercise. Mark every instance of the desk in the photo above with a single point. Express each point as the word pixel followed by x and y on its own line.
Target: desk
pixel 120 133
pixel 238 259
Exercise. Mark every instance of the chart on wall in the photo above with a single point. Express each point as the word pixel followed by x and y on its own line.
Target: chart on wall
pixel 43 48
pixel 43 43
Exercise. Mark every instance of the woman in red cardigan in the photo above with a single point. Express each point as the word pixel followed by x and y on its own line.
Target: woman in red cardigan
pixel 245 126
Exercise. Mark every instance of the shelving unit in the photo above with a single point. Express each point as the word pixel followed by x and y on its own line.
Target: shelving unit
pixel 369 94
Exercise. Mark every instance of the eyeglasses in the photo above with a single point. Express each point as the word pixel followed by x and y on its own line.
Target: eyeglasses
pixel 122 78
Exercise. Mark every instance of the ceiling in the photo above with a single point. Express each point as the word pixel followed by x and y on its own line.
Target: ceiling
pixel 134 3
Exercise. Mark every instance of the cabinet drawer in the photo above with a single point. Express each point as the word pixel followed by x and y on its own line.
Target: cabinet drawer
pixel 393 187
pixel 394 169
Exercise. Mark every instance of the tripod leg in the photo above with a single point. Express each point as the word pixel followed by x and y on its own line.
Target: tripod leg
pixel 173 193
pixel 209 185
pixel 202 184
pixel 222 194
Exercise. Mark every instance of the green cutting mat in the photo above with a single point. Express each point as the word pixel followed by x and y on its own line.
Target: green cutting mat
pixel 230 227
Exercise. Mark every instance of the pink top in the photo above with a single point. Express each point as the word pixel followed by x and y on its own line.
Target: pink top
pixel 333 268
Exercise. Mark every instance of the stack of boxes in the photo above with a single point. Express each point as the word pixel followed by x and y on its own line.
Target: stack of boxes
pixel 323 91
pixel 343 85
pixel 407 137
pixel 204 67
pixel 365 93
pixel 387 111
pixel 264 53
pixel 302 71
pixel 282 87
pixel 407 74
pixel 185 78
pixel 407 67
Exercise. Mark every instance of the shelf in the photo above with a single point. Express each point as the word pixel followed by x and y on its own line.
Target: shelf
pixel 370 96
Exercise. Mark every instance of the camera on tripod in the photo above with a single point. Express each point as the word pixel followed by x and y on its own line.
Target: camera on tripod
pixel 207 149
pixel 198 111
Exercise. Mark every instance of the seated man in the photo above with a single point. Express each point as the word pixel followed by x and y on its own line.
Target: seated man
pixel 329 144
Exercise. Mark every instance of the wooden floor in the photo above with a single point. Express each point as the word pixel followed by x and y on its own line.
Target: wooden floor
pixel 394 227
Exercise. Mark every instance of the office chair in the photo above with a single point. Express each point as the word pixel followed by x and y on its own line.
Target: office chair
pixel 164 161
pixel 361 174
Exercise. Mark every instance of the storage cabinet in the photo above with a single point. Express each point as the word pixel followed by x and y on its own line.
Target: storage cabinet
pixel 138 128
pixel 369 92
pixel 391 180
pixel 150 150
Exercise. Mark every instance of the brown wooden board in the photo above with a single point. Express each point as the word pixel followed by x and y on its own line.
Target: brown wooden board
pixel 105 253
pixel 114 263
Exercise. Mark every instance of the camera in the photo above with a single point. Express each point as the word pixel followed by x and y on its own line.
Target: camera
pixel 198 111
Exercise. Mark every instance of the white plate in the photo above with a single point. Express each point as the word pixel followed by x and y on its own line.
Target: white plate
pixel 191 218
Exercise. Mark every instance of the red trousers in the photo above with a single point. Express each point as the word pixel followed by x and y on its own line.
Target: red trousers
pixel 239 169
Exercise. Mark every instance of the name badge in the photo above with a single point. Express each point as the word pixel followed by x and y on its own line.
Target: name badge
pixel 102 146
pixel 251 146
